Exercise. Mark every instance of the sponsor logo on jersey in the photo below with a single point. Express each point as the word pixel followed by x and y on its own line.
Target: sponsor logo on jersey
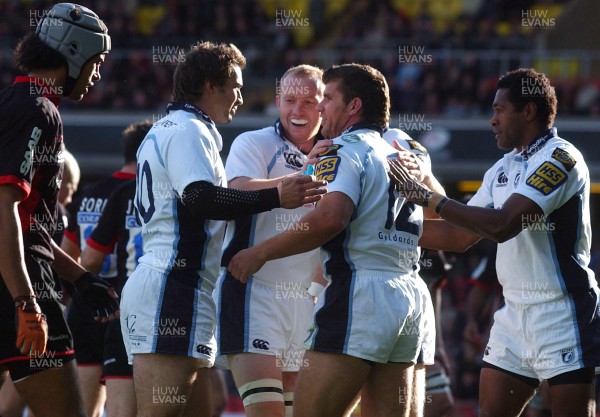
pixel 351 138
pixel 547 178
pixel 326 169
pixel 567 355
pixel 564 158
pixel 501 180
pixel 331 150
pixel 131 222
pixel 293 160
pixel 36 134
pixel 88 218
pixel 517 178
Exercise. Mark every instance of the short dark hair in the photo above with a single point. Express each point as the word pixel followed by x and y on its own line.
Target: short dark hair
pixel 205 62
pixel 366 83
pixel 32 53
pixel 526 85
pixel 132 136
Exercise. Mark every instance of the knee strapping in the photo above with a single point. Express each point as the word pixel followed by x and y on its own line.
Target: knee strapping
pixel 261 390
pixel 437 383
pixel 288 399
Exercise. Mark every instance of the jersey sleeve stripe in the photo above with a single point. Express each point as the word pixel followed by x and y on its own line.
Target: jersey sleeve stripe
pixel 73 236
pixel 22 184
pixel 107 249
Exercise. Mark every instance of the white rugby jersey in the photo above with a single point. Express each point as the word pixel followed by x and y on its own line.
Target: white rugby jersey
pixel 548 258
pixel 408 143
pixel 264 154
pixel 181 148
pixel 385 228
pixel 413 146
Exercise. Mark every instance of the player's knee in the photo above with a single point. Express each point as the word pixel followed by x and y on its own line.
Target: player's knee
pixel 437 383
pixel 288 401
pixel 438 396
pixel 261 391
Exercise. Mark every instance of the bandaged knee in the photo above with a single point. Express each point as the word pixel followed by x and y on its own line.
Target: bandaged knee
pixel 437 383
pixel 261 390
pixel 288 399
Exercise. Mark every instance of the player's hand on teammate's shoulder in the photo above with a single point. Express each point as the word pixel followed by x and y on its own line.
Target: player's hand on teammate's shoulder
pixel 99 295
pixel 412 163
pixel 245 263
pixel 406 184
pixel 313 156
pixel 298 190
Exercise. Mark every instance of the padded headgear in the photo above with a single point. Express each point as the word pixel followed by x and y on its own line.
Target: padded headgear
pixel 75 32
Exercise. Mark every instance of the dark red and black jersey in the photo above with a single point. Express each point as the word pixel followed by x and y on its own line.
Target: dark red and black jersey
pixel 88 207
pixel 119 229
pixel 31 136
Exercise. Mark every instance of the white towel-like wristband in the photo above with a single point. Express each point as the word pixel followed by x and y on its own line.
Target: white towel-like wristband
pixel 315 289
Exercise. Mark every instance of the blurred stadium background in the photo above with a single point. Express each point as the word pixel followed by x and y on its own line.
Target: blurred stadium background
pixel 441 59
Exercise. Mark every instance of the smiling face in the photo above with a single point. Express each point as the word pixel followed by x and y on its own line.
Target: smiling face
pixel 89 74
pixel 297 103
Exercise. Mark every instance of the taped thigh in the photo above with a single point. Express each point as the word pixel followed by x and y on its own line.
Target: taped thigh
pixel 261 390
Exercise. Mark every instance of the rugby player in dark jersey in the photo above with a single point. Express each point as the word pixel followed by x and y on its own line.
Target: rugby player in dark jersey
pixel 62 59
pixel 89 335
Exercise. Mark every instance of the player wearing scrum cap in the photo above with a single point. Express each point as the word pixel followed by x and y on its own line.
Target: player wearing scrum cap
pixel 62 58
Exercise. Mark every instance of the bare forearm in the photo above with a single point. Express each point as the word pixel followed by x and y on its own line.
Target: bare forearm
pixel 442 235
pixel 308 234
pixel 92 259
pixel 12 261
pixel 476 301
pixel 498 225
pixel 484 222
pixel 65 266
pixel 433 184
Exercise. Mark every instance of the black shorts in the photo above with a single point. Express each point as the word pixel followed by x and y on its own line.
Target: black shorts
pixel 59 349
pixel 88 334
pixel 115 357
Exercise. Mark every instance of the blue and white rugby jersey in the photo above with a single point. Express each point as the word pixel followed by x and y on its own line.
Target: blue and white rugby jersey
pixel 181 148
pixel 385 228
pixel 550 257
pixel 408 143
pixel 263 154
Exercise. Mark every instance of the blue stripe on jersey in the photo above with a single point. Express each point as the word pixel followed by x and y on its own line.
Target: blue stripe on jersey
pixel 333 320
pixel 586 316
pixel 563 243
pixel 177 320
pixel 156 346
pixel 243 237
pixel 273 160
pixel 152 137
pixel 233 315
pixel 363 173
pixel 191 338
pixel 389 221
pixel 577 327
pixel 233 336
pixel 247 312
